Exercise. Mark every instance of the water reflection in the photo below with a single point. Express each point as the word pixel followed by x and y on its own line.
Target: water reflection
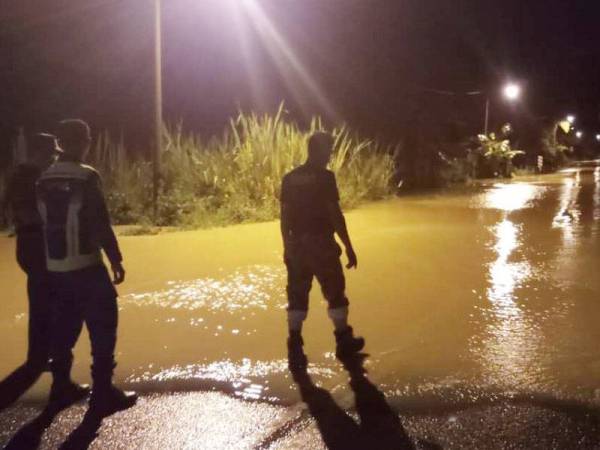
pixel 596 213
pixel 511 197
pixel 254 287
pixel 504 275
pixel 511 339
pixel 566 220
pixel 577 222
pixel 588 202
pixel 568 213
pixel 247 379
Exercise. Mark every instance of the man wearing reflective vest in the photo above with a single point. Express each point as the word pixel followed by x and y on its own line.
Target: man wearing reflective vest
pixel 76 228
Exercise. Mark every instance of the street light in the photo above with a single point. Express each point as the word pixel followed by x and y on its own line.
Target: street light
pixel 571 119
pixel 579 134
pixel 511 91
pixel 598 137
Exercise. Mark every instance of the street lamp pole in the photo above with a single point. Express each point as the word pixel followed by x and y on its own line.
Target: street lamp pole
pixel 511 92
pixel 158 120
pixel 487 116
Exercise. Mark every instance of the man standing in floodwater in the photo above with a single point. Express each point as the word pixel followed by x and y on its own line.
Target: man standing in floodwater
pixel 310 216
pixel 31 257
pixel 77 227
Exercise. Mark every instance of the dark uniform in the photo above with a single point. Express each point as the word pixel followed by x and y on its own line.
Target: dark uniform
pixel 21 200
pixel 312 250
pixel 77 227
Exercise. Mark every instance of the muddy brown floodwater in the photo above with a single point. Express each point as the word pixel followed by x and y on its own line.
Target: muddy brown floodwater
pixel 464 296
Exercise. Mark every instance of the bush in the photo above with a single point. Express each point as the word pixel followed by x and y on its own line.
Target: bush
pixel 235 178
pixel 497 156
pixel 458 169
pixel 554 151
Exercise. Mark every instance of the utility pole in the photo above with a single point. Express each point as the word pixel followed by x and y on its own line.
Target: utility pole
pixel 487 116
pixel 158 120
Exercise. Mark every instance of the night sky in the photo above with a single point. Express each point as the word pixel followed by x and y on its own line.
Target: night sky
pixel 373 64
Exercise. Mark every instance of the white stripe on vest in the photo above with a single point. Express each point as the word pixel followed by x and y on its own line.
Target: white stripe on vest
pixel 74 258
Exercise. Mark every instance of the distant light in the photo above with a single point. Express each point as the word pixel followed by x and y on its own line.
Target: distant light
pixel 571 119
pixel 579 134
pixel 512 91
pixel 598 137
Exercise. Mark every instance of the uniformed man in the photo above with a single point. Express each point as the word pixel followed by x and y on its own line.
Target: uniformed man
pixel 31 257
pixel 77 227
pixel 310 216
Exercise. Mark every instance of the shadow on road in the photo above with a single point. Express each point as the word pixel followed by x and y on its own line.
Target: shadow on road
pixel 379 427
pixel 83 436
pixel 29 436
pixel 16 384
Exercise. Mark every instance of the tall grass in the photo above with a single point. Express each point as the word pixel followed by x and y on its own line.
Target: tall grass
pixel 236 177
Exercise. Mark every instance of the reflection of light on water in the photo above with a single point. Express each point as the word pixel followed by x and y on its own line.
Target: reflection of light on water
pixel 256 287
pixel 247 379
pixel 596 213
pixel 577 221
pixel 504 275
pixel 568 213
pixel 566 220
pixel 510 197
pixel 512 338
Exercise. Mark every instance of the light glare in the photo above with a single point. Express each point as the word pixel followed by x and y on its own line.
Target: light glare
pixel 289 63
pixel 512 91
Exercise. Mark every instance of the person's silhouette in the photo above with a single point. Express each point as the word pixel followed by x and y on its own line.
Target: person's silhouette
pixel 21 203
pixel 380 426
pixel 83 436
pixel 77 230
pixel 337 428
pixel 29 436
pixel 310 218
pixel 16 384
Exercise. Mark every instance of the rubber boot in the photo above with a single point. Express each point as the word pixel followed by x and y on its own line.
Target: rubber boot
pixel 296 357
pixel 347 343
pixel 64 391
pixel 106 398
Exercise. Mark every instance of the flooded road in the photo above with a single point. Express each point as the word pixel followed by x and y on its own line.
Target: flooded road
pixel 463 296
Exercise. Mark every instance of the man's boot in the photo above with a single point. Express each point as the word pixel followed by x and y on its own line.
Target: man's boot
pixel 64 391
pixel 347 343
pixel 106 398
pixel 296 357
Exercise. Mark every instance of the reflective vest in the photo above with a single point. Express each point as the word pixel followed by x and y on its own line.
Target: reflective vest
pixel 64 206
